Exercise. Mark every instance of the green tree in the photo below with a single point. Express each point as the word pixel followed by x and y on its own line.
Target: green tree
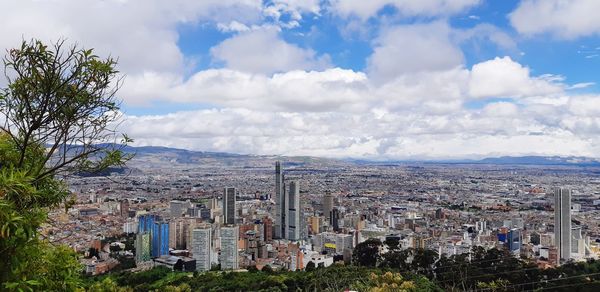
pixel 55 117
pixel 367 253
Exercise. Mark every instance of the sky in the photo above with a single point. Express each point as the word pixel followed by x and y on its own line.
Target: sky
pixel 377 79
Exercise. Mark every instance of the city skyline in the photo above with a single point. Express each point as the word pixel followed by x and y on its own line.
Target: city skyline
pixel 345 79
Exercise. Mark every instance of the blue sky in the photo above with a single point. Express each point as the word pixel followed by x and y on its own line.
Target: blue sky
pixel 379 79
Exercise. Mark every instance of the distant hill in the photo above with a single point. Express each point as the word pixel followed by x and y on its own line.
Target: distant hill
pixel 542 160
pixel 165 157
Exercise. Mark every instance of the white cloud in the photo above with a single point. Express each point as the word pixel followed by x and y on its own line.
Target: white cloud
pixel 562 18
pixel 329 90
pixel 413 48
pixel 502 77
pixel 274 97
pixel 262 51
pixel 141 33
pixel 367 9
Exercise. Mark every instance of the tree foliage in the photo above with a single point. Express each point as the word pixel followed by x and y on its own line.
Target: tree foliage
pixel 57 110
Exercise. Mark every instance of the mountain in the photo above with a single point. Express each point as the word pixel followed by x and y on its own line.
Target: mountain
pixel 165 157
pixel 542 160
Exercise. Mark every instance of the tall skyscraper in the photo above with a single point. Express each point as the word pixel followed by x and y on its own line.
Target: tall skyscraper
pixel 229 200
pixel 142 247
pixel 562 222
pixel 280 208
pixel 146 222
pixel 327 204
pixel 294 209
pixel 180 230
pixel 334 218
pixel 201 247
pixel 160 239
pixel 513 240
pixel 229 248
pixel 268 229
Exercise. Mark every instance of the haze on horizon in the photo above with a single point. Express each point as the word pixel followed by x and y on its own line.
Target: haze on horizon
pixel 377 79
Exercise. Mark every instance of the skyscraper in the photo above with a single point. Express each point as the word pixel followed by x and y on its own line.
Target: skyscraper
pixel 334 218
pixel 142 247
pixel 268 229
pixel 160 239
pixel 180 230
pixel 146 222
pixel 562 222
pixel 229 200
pixel 327 203
pixel 201 247
pixel 280 208
pixel 513 240
pixel 292 202
pixel 229 248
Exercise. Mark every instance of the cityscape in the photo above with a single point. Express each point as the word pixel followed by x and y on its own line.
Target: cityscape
pixel 286 215
pixel 299 145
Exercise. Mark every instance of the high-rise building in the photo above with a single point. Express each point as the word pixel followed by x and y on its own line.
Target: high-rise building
pixel 315 224
pixel 146 222
pixel 124 208
pixel 229 199
pixel 280 208
pixel 513 240
pixel 130 226
pixel 327 203
pixel 180 230
pixel 160 239
pixel 562 222
pixel 294 209
pixel 334 218
pixel 178 208
pixel 201 247
pixel 229 248
pixel 142 247
pixel 268 229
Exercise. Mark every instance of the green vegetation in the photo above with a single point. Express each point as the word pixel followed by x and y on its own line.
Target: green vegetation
pixel 335 278
pixel 487 270
pixel 56 110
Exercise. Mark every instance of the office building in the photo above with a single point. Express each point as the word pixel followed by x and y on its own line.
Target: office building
pixel 280 208
pixel 229 200
pixel 562 223
pixel 292 202
pixel 201 247
pixel 229 248
pixel 160 239
pixel 142 247
pixel 178 208
pixel 124 208
pixel 130 226
pixel 146 222
pixel 327 203
pixel 268 229
pixel 334 218
pixel 513 240
pixel 180 230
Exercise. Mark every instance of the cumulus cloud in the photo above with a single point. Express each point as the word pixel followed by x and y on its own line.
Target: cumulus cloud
pixel 413 48
pixel 268 96
pixel 141 33
pixel 262 51
pixel 329 90
pixel 502 77
pixel 565 19
pixel 366 9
